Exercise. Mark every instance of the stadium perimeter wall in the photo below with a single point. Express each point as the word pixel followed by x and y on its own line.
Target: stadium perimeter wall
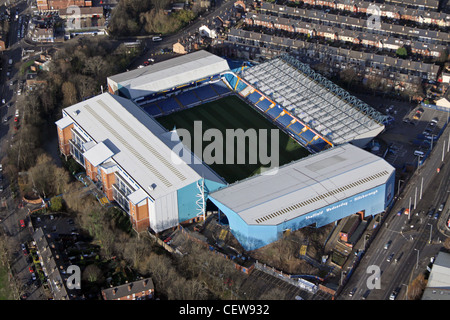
pixel 251 237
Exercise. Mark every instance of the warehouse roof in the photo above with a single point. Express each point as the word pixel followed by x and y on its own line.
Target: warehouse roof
pixel 169 74
pixel 438 286
pixel 305 185
pixel 136 142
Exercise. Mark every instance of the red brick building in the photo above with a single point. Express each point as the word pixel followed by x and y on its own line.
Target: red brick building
pixel 49 5
pixel 137 290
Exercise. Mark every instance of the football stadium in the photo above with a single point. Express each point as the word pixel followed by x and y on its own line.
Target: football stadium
pixel 321 173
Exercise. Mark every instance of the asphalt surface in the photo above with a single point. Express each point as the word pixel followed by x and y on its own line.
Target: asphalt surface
pixel 415 237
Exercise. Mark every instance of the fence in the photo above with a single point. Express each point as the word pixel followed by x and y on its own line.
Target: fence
pixel 298 282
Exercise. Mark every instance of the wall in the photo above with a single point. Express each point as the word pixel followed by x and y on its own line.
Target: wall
pixel 253 237
pixel 187 197
pixel 64 135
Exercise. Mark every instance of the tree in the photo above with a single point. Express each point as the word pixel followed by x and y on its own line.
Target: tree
pixel 56 204
pixel 92 273
pixel 416 288
pixel 69 93
pixel 401 52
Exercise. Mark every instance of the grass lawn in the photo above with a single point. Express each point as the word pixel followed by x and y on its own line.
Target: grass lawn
pixel 5 292
pixel 233 113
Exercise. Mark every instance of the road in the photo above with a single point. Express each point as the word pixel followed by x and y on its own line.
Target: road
pixel 415 237
pixel 10 213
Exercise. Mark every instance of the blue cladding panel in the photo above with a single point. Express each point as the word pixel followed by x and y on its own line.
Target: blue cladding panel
pixel 251 237
pixel 187 197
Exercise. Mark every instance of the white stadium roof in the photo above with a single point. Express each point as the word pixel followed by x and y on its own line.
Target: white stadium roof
pixel 136 142
pixel 306 185
pixel 169 74
pixel 316 101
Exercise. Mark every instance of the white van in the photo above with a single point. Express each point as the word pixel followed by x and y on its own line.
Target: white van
pixel 156 38
pixel 418 153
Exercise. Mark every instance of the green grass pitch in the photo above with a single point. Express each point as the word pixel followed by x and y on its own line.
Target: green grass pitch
pixel 233 113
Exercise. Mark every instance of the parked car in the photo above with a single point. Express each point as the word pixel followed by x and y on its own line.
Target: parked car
pixel 24 249
pixel 441 207
pixel 22 223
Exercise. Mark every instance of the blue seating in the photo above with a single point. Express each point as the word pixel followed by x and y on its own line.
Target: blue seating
pixel 220 87
pixel 319 144
pixel 241 86
pixel 187 98
pixel 153 110
pixel 296 127
pixel 205 92
pixel 169 105
pixel 274 112
pixel 284 120
pixel 308 135
pixel 254 97
pixel 264 104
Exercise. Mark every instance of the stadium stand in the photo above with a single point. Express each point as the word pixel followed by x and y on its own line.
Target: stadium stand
pixel 205 93
pixel 327 109
pixel 220 88
pixel 153 109
pixel 284 120
pixel 169 105
pixel 188 98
